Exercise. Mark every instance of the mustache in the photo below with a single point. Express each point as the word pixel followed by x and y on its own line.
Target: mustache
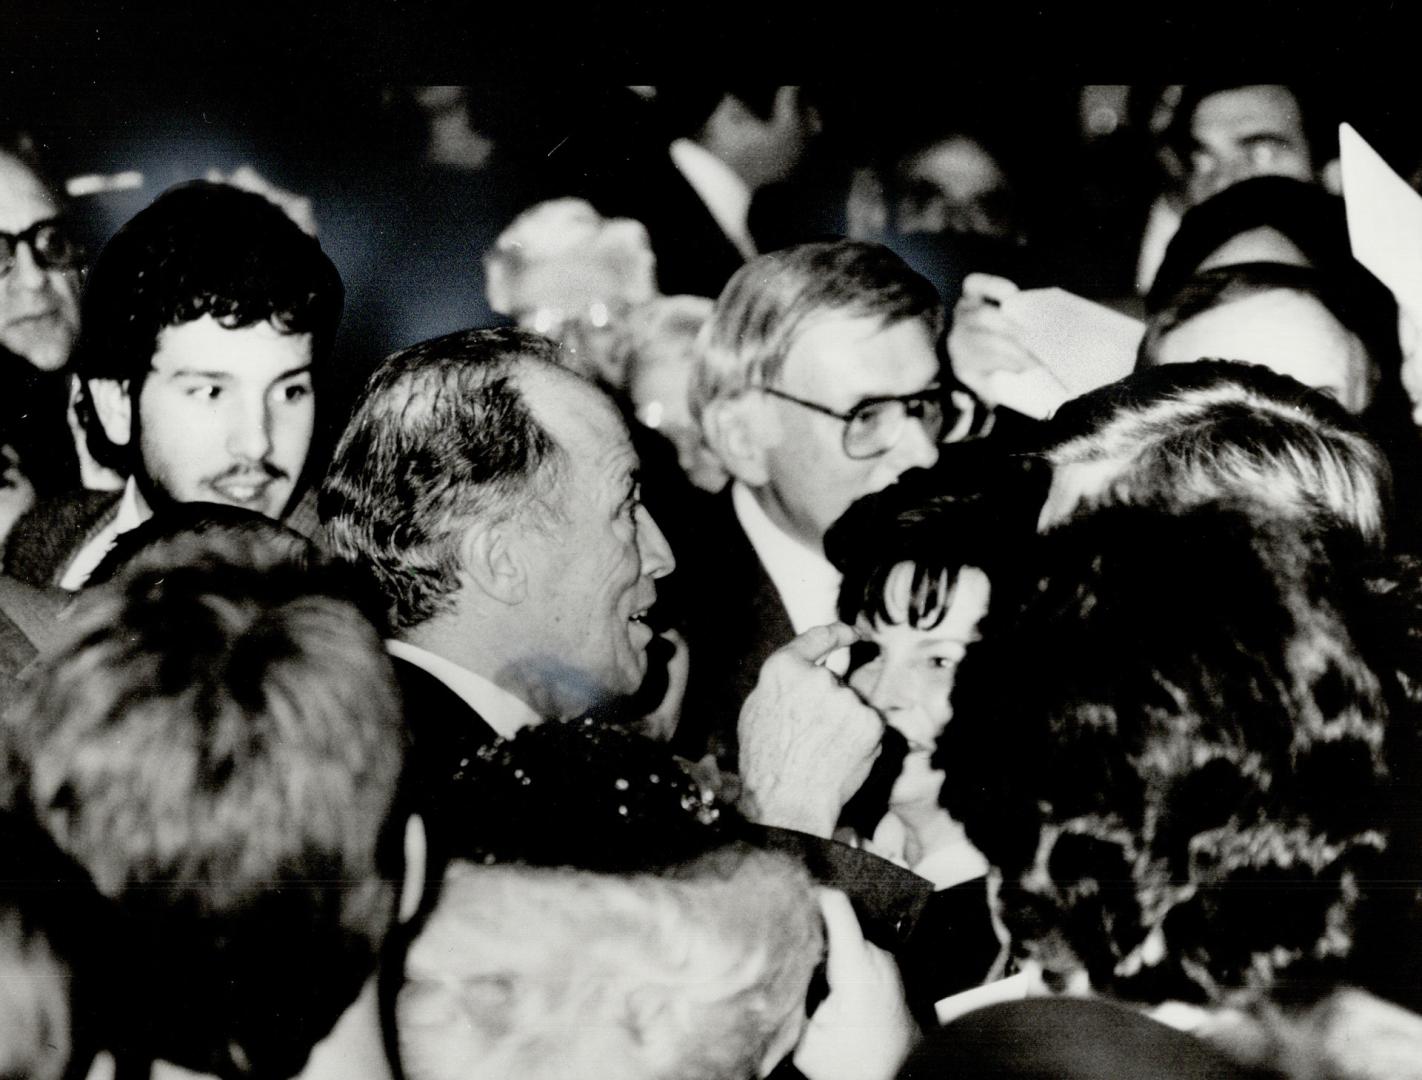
pixel 264 470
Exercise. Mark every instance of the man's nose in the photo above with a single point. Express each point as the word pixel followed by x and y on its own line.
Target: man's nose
pixel 26 273
pixel 652 547
pixel 249 431
pixel 915 448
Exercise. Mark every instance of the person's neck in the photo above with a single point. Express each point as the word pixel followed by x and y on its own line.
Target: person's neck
pixel 140 501
pixel 467 640
pixel 776 512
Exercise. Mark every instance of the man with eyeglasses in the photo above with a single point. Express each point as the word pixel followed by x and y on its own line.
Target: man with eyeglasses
pixel 206 322
pixel 39 269
pixel 39 321
pixel 818 381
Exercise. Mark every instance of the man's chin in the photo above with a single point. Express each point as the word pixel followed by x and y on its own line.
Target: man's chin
pixel 271 503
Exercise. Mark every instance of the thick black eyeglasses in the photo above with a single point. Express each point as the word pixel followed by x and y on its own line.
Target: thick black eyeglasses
pixel 50 243
pixel 875 425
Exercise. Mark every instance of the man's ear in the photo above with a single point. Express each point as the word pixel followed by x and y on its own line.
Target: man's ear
pixel 494 561
pixel 114 408
pixel 412 889
pixel 737 431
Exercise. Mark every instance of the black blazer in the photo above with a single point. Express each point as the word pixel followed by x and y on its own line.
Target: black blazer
pixel 734 620
pixel 444 734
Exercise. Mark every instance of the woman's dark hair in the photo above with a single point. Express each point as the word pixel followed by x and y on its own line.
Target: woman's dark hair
pixel 919 521
pixel 1189 787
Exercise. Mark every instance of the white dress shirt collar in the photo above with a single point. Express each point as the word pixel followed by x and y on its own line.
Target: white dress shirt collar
pixel 808 585
pixel 725 194
pixel 503 712
pixel 86 560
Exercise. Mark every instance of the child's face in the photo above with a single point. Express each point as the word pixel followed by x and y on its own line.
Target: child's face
pixel 909 678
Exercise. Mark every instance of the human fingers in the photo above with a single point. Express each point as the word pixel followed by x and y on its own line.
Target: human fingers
pixel 989 288
pixel 816 643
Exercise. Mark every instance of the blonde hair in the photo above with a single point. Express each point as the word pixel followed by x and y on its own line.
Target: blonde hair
pixel 771 300
pixel 555 974
pixel 1218 430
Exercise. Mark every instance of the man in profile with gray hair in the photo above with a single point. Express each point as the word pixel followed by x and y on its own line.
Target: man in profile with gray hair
pixel 495 497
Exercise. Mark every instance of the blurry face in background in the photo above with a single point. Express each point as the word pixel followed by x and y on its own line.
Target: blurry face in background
pixel 658 390
pixel 1245 132
pixel 785 137
pixel 907 671
pixel 39 308
pixel 1292 333
pixel 951 186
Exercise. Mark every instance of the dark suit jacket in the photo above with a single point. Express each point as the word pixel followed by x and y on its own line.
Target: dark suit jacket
pixel 734 619
pixel 50 534
pixel 29 626
pixel 445 731
pixel 444 734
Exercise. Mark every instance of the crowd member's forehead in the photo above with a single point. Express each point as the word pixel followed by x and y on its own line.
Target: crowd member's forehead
pixel 855 355
pixel 580 417
pixel 1289 331
pixel 23 196
pixel 1245 111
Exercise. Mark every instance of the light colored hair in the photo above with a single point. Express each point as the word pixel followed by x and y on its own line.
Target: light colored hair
pixel 1195 433
pixel 772 299
pixel 443 436
pixel 563 252
pixel 219 747
pixel 663 330
pixel 557 973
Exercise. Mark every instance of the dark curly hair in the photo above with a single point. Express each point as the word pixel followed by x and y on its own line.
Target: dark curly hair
pixel 200 249
pixel 1188 794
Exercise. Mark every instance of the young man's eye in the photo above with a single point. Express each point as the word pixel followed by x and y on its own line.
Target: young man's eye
pixel 295 392
pixel 206 392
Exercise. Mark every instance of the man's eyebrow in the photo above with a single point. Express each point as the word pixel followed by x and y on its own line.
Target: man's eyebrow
pixel 934 388
pixel 1265 137
pixel 304 369
pixel 195 373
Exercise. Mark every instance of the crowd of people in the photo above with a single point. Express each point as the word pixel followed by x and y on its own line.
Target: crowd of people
pixel 749 646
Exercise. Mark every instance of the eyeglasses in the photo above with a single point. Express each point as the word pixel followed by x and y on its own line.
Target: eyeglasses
pixel 50 244
pixel 875 425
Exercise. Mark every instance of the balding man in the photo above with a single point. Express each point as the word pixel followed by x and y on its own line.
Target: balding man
pixel 495 497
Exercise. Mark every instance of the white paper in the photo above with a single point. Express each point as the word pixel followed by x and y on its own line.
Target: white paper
pixel 1083 344
pixel 1384 220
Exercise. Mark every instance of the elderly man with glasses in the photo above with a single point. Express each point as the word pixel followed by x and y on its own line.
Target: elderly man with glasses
pixel 819 380
pixel 39 321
